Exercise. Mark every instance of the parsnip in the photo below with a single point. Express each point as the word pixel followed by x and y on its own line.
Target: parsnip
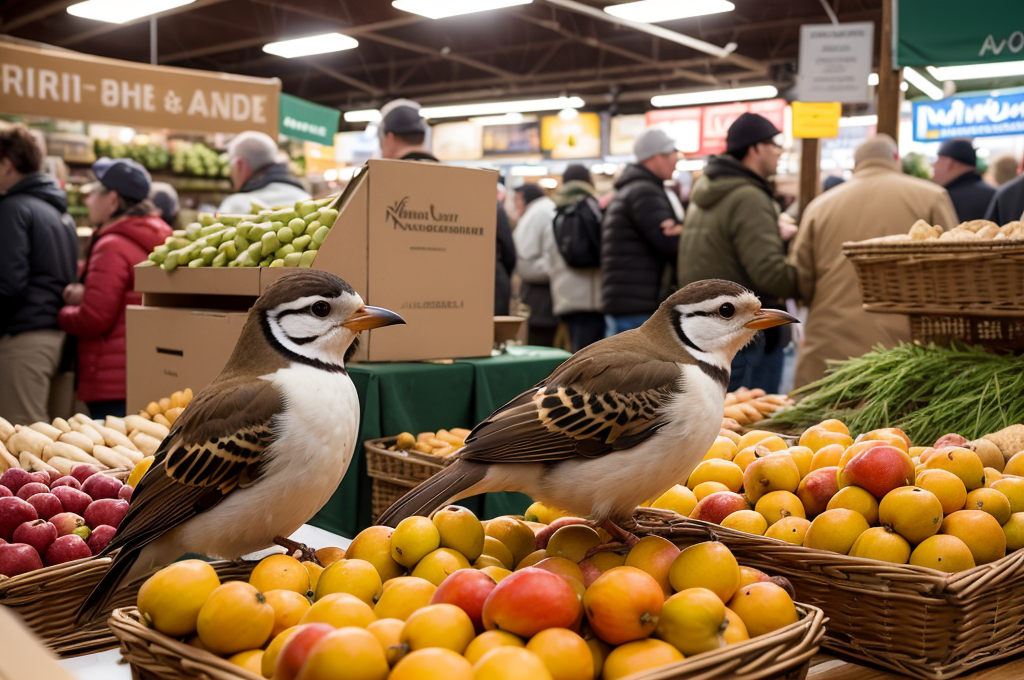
pixel 116 424
pixel 163 419
pixel 70 452
pixel 110 457
pixel 153 429
pixel 6 430
pixel 133 456
pixel 81 419
pixel 77 439
pixel 144 443
pixel 6 459
pixel 30 461
pixel 113 437
pixel 92 433
pixel 29 440
pixel 62 425
pixel 63 465
pixel 47 429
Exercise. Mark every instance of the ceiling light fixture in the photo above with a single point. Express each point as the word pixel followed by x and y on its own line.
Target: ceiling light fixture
pixel 122 11
pixel 363 116
pixel 978 71
pixel 737 94
pixel 313 44
pixel 439 9
pixel 873 80
pixel 504 119
pixel 655 11
pixel 920 82
pixel 498 108
pixel 858 121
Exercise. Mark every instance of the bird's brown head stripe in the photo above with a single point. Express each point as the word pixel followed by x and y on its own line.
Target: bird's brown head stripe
pixel 303 283
pixel 701 291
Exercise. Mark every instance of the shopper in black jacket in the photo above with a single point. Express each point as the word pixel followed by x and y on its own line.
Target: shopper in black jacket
pixel 639 236
pixel 955 169
pixel 40 249
pixel 504 263
pixel 1008 203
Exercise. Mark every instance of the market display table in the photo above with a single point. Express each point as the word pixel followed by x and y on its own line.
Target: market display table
pixel 827 667
pixel 427 396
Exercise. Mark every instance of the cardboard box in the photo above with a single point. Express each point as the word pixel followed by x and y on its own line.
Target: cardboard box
pixel 416 238
pixel 22 654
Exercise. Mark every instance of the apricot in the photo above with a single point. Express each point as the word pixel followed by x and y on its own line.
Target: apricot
pixel 943 552
pixel 723 448
pixel 817 437
pixel 717 470
pixel 678 499
pixel 623 605
pixel 946 486
pixel 735 630
pixel 789 529
pixel 763 607
pixel 434 663
pixel 654 555
pixel 802 456
pixel 912 512
pixel 440 564
pixel 373 545
pixel 980 531
pixel 881 543
pixel 414 538
pixel 777 505
pixel 990 501
pixel 856 499
pixel 708 565
pixel 776 472
pixel 353 576
pixel 747 521
pixel 460 530
pixel 1014 530
pixel 572 542
pixel 236 617
pixel 834 530
pixel 635 657
pixel 963 463
pixel 347 652
pixel 1013 489
pixel 510 663
pixel 438 625
pixel 488 640
pixel 564 653
pixel 692 621
pixel 702 491
pixel 402 596
pixel 826 456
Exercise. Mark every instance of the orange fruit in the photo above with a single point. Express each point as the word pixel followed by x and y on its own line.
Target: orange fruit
pixel 439 625
pixel 269 660
pixel 413 539
pixel 946 486
pixel 750 575
pixel 373 544
pixel 991 501
pixel 341 610
pixel 881 543
pixel 170 599
pixel 834 530
pixel 435 663
pixel 402 596
pixel 251 660
pixel 329 555
pixel 288 607
pixel 692 621
pixel 1014 530
pixel 706 565
pixel 349 652
pixel 735 630
pixel 817 437
pixel 717 470
pixel 572 542
pixel 893 436
pixel 777 505
pixel 564 653
pixel 789 529
pixel 314 570
pixel 235 617
pixel 510 663
pixel 488 640
pixel 826 456
pixel 912 512
pixel 980 531
pixel 635 657
pixel 352 576
pixel 623 604
pixel 723 448
pixel 835 425
pixel 701 491
pixel 747 521
pixel 280 572
pixel 943 552
pixel 499 551
pixel 1015 465
pixel 763 607
pixel 802 456
pixel 963 463
pixel 857 499
pixel 441 563
pixel 768 439
pixel 654 555
pixel 389 634
pixel 678 499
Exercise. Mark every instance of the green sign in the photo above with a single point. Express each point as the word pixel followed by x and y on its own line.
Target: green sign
pixel 955 32
pixel 306 120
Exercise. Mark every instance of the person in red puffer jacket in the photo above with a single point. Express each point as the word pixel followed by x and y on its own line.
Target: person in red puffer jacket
pixel 128 228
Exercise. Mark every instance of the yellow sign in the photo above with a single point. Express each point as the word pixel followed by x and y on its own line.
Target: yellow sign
pixel 76 86
pixel 577 137
pixel 815 120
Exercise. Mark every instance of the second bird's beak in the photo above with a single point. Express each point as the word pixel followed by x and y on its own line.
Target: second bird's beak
pixel 371 317
pixel 769 318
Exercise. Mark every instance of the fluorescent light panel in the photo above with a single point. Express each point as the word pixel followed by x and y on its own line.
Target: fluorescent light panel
pixel 504 119
pixel 439 9
pixel 313 44
pixel 737 94
pixel 120 11
pixel 655 11
pixel 498 108
pixel 858 121
pixel 363 116
pixel 873 80
pixel 922 83
pixel 978 71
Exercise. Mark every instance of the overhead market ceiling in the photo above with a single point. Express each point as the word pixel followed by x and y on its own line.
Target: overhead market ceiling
pixel 536 50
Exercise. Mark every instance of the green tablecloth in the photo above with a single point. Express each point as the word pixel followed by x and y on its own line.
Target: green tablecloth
pixel 417 397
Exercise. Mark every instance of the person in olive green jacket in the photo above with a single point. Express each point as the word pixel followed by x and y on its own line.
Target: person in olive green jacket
pixel 731 232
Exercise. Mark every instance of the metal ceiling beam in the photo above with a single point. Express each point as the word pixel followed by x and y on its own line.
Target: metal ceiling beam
pixel 865 15
pixel 354 82
pixel 108 28
pixel 450 56
pixel 35 15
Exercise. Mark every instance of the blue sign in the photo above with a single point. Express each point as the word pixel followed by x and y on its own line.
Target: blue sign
pixel 969 117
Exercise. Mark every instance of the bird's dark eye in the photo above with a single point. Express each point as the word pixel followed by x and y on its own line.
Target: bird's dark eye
pixel 321 309
pixel 727 310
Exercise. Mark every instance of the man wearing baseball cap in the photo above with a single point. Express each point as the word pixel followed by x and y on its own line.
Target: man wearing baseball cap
pixel 732 232
pixel 127 229
pixel 639 235
pixel 956 170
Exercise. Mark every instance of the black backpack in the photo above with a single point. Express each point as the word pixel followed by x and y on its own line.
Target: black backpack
pixel 578 233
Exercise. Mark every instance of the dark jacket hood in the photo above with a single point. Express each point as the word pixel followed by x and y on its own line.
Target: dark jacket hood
pixel 722 175
pixel 273 173
pixel 637 173
pixel 42 187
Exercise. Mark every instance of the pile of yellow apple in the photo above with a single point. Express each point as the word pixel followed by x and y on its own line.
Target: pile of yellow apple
pixel 950 506
pixel 438 599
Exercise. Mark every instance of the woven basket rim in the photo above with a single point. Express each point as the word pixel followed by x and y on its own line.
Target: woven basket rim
pixel 380 445
pixel 46 574
pixel 885 246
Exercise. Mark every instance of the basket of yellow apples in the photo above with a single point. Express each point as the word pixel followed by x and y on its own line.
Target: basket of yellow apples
pixel 912 552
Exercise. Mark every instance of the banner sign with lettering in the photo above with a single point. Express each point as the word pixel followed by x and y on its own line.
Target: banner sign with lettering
pixel 702 129
pixel 969 117
pixel 76 86
pixel 954 32
pixel 309 121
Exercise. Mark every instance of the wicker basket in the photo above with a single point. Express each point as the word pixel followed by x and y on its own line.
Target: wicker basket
pixel 785 653
pixel 395 472
pixel 997 333
pixel 48 599
pixel 916 621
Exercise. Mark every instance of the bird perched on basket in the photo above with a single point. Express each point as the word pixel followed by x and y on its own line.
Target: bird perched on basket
pixel 619 422
pixel 259 451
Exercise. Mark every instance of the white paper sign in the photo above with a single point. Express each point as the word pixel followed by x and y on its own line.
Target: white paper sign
pixel 835 62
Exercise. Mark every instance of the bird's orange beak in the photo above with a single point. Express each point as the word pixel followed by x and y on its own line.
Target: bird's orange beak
pixel 769 318
pixel 371 317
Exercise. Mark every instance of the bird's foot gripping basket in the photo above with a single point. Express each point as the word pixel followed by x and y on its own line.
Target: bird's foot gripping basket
pixel 394 473
pixel 48 599
pixel 919 622
pixel 952 290
pixel 784 654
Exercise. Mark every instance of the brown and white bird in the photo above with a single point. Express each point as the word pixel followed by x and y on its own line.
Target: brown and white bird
pixel 619 422
pixel 262 448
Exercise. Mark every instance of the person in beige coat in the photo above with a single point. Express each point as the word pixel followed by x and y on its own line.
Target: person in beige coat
pixel 879 200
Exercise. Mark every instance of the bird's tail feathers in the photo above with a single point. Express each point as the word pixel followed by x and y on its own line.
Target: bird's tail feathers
pixel 97 606
pixel 445 487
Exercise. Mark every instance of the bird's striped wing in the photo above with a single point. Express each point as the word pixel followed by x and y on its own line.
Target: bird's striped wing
pixel 592 405
pixel 217 444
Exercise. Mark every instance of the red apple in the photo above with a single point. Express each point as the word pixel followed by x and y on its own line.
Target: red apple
pixel 84 472
pixel 108 511
pixel 40 477
pixel 466 589
pixel 46 504
pixel 817 489
pixel 529 601
pixel 18 558
pixel 719 505
pixel 66 480
pixel 100 537
pixel 545 534
pixel 31 489
pixel 126 492
pixel 71 499
pixel 67 522
pixel 15 478
pixel 66 549
pixel 5 492
pixel 296 649
pixel 951 439
pixel 38 533
pixel 101 486
pixel 879 470
pixel 13 512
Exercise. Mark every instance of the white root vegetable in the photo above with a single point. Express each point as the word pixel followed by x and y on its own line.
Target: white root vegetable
pixel 27 439
pixel 6 430
pixel 153 429
pixel 113 438
pixel 81 419
pixel 146 444
pixel 63 465
pixel 110 457
pixel 62 425
pixel 133 456
pixel 30 461
pixel 77 439
pixel 116 424
pixel 72 453
pixel 7 461
pixel 47 429
pixel 92 433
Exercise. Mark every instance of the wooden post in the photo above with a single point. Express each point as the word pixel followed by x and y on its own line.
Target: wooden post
pixel 810 165
pixel 889 80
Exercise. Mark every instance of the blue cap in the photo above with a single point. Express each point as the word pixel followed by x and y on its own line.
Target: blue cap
pixel 123 175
